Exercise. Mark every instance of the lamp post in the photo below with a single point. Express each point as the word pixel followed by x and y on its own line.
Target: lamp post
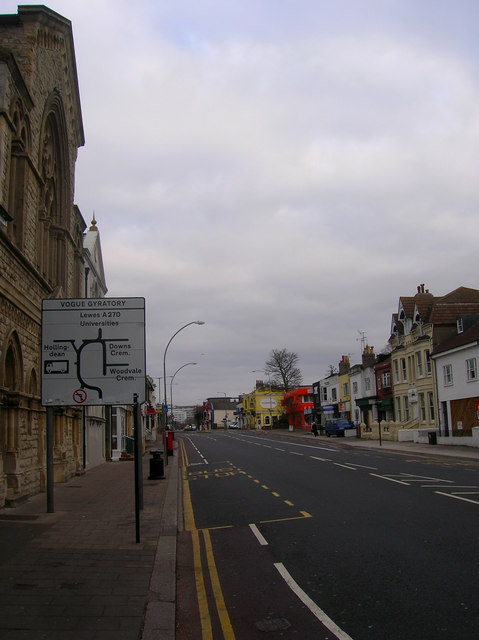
pixel 164 362
pixel 171 383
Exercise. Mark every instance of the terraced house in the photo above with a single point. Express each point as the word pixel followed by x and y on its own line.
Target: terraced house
pixel 421 324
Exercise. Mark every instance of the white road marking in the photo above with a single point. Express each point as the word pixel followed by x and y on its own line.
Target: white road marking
pixel 312 606
pixel 259 536
pixel 363 466
pixel 441 486
pixel 414 475
pixel 345 466
pixel 390 479
pixel 451 495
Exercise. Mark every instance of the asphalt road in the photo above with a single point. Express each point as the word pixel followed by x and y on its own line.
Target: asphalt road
pixel 318 539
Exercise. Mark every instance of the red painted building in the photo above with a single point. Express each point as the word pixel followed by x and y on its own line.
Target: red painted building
pixel 298 406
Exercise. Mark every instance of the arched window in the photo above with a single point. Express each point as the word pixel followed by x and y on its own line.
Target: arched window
pixel 19 173
pixel 12 368
pixel 11 380
pixel 54 213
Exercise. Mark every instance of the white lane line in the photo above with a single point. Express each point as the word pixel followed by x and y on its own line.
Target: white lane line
pixel 308 446
pixel 456 486
pixel 312 606
pixel 311 446
pixel 414 475
pixel 259 536
pixel 451 495
pixel 205 461
pixel 278 449
pixel 295 453
pixel 390 479
pixel 345 466
pixel 363 466
pixel 322 459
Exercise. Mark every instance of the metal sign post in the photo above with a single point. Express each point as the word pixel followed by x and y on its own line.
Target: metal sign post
pixel 93 353
pixel 50 476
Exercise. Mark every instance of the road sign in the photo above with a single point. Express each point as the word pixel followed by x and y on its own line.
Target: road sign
pixel 93 351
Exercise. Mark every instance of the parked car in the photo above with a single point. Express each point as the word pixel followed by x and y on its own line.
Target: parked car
pixel 233 425
pixel 337 426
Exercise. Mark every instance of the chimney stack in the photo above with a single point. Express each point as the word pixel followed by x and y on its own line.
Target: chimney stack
pixel 369 357
pixel 344 365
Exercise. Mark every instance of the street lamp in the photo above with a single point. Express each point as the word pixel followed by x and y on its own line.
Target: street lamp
pixel 164 360
pixel 171 383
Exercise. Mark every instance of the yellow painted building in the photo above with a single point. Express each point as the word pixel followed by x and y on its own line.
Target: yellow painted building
pixel 262 408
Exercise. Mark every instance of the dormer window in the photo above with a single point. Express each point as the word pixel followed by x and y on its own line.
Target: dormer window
pixel 460 325
pixel 421 327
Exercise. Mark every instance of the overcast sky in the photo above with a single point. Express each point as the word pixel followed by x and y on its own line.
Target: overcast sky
pixel 283 170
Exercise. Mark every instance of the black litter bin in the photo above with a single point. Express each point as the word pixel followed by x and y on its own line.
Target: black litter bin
pixel 432 437
pixel 157 466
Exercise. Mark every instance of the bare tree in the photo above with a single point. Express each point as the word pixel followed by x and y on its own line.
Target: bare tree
pixel 283 370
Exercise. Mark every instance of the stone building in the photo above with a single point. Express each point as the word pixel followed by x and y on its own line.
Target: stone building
pixel 40 236
pixel 95 442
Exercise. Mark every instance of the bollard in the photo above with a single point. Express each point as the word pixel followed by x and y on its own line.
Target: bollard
pixel 157 467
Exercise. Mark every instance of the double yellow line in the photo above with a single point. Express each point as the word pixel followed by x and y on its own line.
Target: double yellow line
pixel 198 537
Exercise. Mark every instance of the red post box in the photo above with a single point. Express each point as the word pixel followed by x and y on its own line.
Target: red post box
pixel 169 442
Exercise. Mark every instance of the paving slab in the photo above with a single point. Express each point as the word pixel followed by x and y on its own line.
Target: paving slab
pixel 79 572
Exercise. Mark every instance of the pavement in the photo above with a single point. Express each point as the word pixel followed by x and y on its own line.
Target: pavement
pixel 79 573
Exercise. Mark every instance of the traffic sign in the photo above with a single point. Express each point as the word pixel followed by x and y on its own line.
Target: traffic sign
pixel 93 351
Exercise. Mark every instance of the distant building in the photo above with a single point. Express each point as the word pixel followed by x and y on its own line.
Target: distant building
pixel 364 391
pixel 96 445
pixel 220 411
pixel 422 323
pixel 384 387
pixel 329 394
pixel 344 388
pixel 262 408
pixel 298 405
pixel 456 365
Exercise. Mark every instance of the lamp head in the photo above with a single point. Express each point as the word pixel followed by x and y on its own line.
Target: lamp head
pixel 199 322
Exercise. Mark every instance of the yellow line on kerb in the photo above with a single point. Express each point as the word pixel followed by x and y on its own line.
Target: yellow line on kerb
pixel 225 621
pixel 205 618
pixel 190 525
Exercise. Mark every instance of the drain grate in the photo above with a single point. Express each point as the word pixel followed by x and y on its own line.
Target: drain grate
pixel 24 586
pixel 272 624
